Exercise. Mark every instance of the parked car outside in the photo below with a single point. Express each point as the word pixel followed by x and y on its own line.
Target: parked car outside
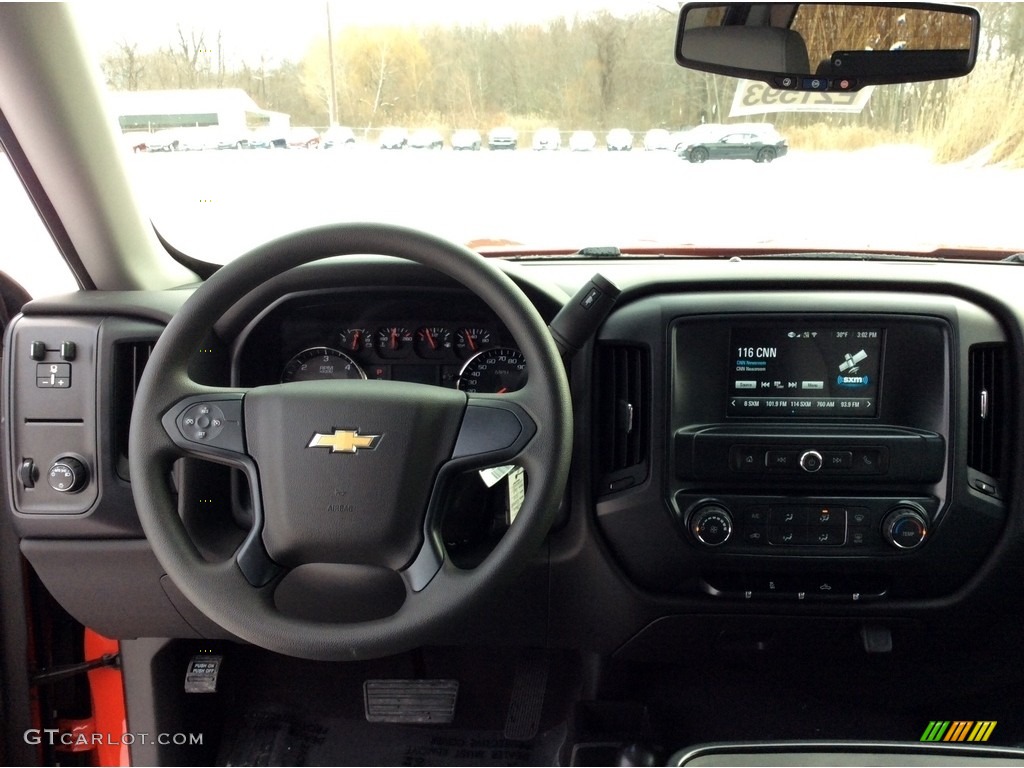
pixel 503 138
pixel 394 138
pixel 337 136
pixel 582 141
pixel 303 138
pixel 466 139
pixel 426 138
pixel 164 140
pixel 758 142
pixel 619 140
pixel 547 139
pixel 657 139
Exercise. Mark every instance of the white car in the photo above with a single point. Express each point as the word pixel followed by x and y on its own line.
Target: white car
pixel 466 139
pixel 619 140
pixel 657 139
pixel 503 137
pixel 337 136
pixel 547 139
pixel 394 138
pixel 582 141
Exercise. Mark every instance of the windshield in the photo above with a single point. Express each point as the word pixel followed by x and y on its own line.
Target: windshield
pixel 554 126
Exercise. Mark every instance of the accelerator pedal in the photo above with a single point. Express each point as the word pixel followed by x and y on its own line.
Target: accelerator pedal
pixel 410 701
pixel 524 712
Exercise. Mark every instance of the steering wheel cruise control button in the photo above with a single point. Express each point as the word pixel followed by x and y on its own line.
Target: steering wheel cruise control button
pixel 203 422
pixel 215 423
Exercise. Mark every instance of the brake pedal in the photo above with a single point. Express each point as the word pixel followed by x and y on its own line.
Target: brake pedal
pixel 410 701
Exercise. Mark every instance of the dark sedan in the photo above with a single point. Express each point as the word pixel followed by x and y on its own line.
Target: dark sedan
pixel 738 142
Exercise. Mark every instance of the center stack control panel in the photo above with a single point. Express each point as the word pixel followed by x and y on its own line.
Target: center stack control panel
pixel 811 435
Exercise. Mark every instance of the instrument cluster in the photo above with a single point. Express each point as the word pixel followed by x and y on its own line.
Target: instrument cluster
pixel 304 340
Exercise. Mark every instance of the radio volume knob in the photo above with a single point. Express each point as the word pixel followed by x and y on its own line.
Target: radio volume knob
pixel 811 461
pixel 711 525
pixel 905 527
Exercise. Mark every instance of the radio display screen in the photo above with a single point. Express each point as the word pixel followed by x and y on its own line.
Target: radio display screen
pixel 804 370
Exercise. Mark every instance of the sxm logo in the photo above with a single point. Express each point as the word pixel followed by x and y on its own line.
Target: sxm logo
pixel 958 730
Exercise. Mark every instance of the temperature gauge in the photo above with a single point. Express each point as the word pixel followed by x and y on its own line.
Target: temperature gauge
pixel 394 341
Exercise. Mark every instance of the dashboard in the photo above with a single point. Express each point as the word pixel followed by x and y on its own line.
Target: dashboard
pixel 762 439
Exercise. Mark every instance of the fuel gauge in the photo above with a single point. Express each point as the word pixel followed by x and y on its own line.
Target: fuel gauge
pixel 355 340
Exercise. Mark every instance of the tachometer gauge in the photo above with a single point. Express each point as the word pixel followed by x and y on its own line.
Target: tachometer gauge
pixel 321 363
pixel 498 370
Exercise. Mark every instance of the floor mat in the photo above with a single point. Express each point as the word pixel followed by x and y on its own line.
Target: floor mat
pixel 280 738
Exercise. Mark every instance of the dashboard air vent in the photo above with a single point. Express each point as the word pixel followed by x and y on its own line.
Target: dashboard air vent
pixel 988 408
pixel 622 434
pixel 130 359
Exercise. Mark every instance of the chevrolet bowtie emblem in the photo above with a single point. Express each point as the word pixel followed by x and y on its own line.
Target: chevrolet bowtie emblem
pixel 344 441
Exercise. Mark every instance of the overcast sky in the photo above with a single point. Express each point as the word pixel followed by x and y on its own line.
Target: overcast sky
pixel 254 28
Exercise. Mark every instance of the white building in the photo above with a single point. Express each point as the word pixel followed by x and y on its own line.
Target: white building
pixel 229 109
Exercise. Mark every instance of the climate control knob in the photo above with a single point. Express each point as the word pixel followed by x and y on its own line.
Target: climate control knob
pixel 711 525
pixel 67 475
pixel 905 527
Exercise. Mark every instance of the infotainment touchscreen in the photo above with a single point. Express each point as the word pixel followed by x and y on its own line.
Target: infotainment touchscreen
pixel 794 369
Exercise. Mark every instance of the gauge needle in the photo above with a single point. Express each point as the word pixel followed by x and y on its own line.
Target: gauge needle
pixel 469 340
pixel 394 338
pixel 430 339
pixel 355 340
pixel 502 391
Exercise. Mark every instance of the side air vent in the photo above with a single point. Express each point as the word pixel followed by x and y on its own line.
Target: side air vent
pixel 130 359
pixel 988 411
pixel 622 418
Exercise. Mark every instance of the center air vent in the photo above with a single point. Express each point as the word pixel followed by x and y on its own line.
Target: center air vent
pixel 130 359
pixel 622 418
pixel 988 409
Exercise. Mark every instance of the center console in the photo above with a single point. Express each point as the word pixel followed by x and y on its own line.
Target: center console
pixel 809 455
pixel 812 433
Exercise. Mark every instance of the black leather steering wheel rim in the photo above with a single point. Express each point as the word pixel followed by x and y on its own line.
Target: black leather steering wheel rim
pixel 221 590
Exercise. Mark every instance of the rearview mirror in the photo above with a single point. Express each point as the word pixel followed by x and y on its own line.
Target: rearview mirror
pixel 828 46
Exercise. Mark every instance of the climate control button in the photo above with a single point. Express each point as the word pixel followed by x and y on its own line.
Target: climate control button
pixel 711 525
pixel 905 527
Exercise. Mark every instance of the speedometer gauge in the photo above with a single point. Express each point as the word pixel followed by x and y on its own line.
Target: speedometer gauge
pixel 321 363
pixel 498 370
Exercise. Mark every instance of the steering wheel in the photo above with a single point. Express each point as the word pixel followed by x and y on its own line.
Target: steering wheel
pixel 348 478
